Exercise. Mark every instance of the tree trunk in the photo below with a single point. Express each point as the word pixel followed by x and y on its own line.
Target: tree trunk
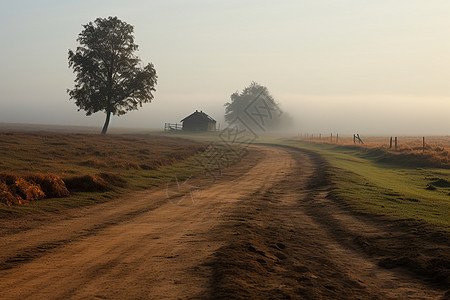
pixel 105 127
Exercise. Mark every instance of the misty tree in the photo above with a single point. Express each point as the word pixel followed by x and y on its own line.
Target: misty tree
pixel 255 108
pixel 109 75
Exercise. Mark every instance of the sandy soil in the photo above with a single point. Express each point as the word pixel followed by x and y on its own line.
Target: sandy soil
pixel 265 228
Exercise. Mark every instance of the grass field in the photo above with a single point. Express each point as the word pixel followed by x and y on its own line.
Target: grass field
pixel 369 179
pixel 410 149
pixel 369 184
pixel 94 168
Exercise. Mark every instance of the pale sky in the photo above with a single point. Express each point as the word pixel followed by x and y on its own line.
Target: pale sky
pixel 373 67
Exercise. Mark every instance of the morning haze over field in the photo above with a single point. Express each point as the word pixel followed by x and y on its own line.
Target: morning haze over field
pixel 225 149
pixel 374 67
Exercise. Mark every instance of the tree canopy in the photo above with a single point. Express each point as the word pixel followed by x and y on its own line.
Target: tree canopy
pixel 254 108
pixel 109 75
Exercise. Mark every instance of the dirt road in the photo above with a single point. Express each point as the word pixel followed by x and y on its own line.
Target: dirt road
pixel 262 230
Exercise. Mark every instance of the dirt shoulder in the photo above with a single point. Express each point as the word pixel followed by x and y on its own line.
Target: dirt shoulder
pixel 407 243
pixel 299 243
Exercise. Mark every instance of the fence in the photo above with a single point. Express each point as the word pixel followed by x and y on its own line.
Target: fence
pixel 172 126
pixel 394 143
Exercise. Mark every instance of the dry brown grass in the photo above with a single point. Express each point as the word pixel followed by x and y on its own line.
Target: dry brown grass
pixel 34 166
pixel 63 153
pixel 15 189
pixel 52 185
pixel 98 183
pixel 409 151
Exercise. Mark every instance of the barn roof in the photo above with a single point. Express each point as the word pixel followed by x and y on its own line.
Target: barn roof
pixel 199 115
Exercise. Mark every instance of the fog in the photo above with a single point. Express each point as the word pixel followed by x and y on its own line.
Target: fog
pixel 334 66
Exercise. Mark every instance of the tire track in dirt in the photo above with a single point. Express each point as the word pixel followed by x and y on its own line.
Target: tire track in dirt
pixel 30 239
pixel 297 244
pixel 262 230
pixel 416 247
pixel 153 254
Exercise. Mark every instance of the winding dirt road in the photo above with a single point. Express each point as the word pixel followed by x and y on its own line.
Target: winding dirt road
pixel 262 230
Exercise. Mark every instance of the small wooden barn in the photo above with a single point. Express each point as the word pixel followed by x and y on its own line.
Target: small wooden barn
pixel 199 121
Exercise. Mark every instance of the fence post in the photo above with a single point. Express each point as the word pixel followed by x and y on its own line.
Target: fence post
pixel 423 144
pixel 390 143
pixel 337 138
pixel 354 138
pixel 395 143
pixel 331 138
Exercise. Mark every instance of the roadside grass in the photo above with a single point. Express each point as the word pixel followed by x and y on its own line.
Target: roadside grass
pixel 387 189
pixel 65 154
pixel 369 180
pixel 410 150
pixel 140 162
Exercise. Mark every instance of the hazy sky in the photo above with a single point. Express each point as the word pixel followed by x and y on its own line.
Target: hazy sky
pixel 335 65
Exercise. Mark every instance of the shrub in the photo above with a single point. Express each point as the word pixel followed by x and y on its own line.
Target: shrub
pixel 100 183
pixel 52 185
pixel 15 189
pixel 8 179
pixel 6 197
pixel 85 183
pixel 27 190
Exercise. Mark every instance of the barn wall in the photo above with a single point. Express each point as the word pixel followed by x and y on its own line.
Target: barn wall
pixel 212 126
pixel 195 125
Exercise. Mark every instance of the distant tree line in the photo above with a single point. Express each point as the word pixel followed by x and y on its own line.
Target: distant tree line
pixel 111 78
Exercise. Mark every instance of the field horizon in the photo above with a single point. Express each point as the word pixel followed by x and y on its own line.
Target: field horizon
pixel 385 216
